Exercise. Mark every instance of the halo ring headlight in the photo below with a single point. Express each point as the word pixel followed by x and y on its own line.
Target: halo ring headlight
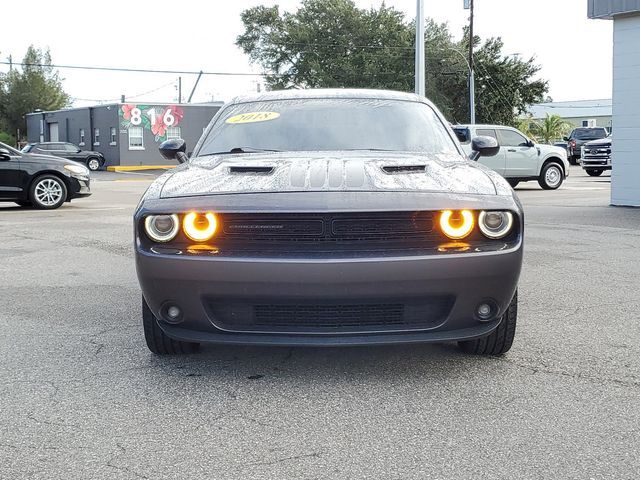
pixel 457 224
pixel 162 228
pixel 495 225
pixel 200 227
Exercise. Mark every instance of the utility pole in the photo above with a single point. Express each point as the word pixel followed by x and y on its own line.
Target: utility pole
pixel 10 63
pixel 194 87
pixel 472 86
pixel 420 67
pixel 179 89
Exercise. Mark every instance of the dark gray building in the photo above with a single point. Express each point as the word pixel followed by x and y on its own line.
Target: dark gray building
pixel 126 134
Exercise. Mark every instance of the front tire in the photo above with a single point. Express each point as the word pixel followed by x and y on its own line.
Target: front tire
pixel 47 192
pixel 594 173
pixel 500 340
pixel 513 183
pixel 158 341
pixel 551 176
pixel 93 164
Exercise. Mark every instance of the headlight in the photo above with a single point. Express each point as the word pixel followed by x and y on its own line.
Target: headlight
pixel 162 228
pixel 495 225
pixel 456 224
pixel 77 169
pixel 199 227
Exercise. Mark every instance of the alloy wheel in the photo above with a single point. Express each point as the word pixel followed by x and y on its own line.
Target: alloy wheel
pixel 48 192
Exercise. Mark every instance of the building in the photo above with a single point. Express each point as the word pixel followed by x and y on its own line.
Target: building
pixel 625 176
pixel 125 133
pixel 580 113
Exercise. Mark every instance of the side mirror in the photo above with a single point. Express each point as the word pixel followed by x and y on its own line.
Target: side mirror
pixel 5 154
pixel 174 149
pixel 78 150
pixel 566 139
pixel 530 144
pixel 484 147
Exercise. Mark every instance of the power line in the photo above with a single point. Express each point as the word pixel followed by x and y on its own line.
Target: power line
pixel 135 70
pixel 127 96
pixel 188 72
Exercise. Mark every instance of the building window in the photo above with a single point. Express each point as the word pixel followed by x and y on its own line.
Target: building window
pixel 112 136
pixel 96 136
pixel 173 132
pixel 135 138
pixel 81 143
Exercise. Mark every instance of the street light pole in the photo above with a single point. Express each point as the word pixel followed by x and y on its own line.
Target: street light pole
pixel 472 86
pixel 420 67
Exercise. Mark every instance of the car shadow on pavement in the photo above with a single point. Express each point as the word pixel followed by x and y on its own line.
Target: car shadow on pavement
pixel 265 363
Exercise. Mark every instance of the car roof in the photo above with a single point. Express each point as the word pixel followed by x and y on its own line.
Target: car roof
pixel 327 93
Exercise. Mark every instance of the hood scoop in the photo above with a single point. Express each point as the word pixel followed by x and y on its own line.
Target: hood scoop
pixel 397 169
pixel 260 170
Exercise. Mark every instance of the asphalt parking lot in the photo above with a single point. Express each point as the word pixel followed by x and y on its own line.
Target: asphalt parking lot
pixel 81 397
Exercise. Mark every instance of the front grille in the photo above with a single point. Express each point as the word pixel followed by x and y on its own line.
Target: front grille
pixel 329 317
pixel 328 227
pixel 328 233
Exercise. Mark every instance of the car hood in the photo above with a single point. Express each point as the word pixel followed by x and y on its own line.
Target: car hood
pixel 601 142
pixel 546 149
pixel 327 171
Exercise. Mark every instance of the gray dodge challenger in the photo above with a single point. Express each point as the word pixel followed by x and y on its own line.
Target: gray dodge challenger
pixel 329 217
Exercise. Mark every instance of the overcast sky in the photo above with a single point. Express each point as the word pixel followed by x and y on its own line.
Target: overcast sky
pixel 574 52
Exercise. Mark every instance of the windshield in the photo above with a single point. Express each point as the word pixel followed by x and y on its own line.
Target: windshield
pixel 328 125
pixel 590 134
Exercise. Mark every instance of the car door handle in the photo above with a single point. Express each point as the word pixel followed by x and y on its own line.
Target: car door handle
pixel 511 150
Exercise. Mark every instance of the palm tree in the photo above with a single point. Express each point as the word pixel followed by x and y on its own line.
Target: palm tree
pixel 553 127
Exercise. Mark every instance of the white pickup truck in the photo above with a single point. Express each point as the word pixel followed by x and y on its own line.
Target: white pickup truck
pixel 519 159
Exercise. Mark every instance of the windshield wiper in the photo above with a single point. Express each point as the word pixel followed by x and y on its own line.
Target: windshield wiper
pixel 368 150
pixel 235 150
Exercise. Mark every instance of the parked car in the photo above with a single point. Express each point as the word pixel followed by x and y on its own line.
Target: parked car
pixel 596 156
pixel 580 136
pixel 329 217
pixel 519 159
pixel 93 160
pixel 41 181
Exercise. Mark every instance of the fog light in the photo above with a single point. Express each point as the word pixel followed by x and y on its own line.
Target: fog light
pixel 171 313
pixel 484 311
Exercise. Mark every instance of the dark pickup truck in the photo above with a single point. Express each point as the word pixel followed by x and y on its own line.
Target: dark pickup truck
pixel 580 136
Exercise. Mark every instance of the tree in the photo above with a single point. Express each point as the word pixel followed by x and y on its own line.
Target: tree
pixel 332 43
pixel 37 86
pixel 552 127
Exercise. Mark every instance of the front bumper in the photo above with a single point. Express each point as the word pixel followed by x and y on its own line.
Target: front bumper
pixel 79 187
pixel 596 163
pixel 194 282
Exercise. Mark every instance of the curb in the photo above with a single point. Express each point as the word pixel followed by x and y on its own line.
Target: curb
pixel 136 168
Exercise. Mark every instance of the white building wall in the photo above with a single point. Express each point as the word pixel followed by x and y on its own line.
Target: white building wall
pixel 625 181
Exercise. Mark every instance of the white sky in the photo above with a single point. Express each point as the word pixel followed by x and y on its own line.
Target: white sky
pixel 575 52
